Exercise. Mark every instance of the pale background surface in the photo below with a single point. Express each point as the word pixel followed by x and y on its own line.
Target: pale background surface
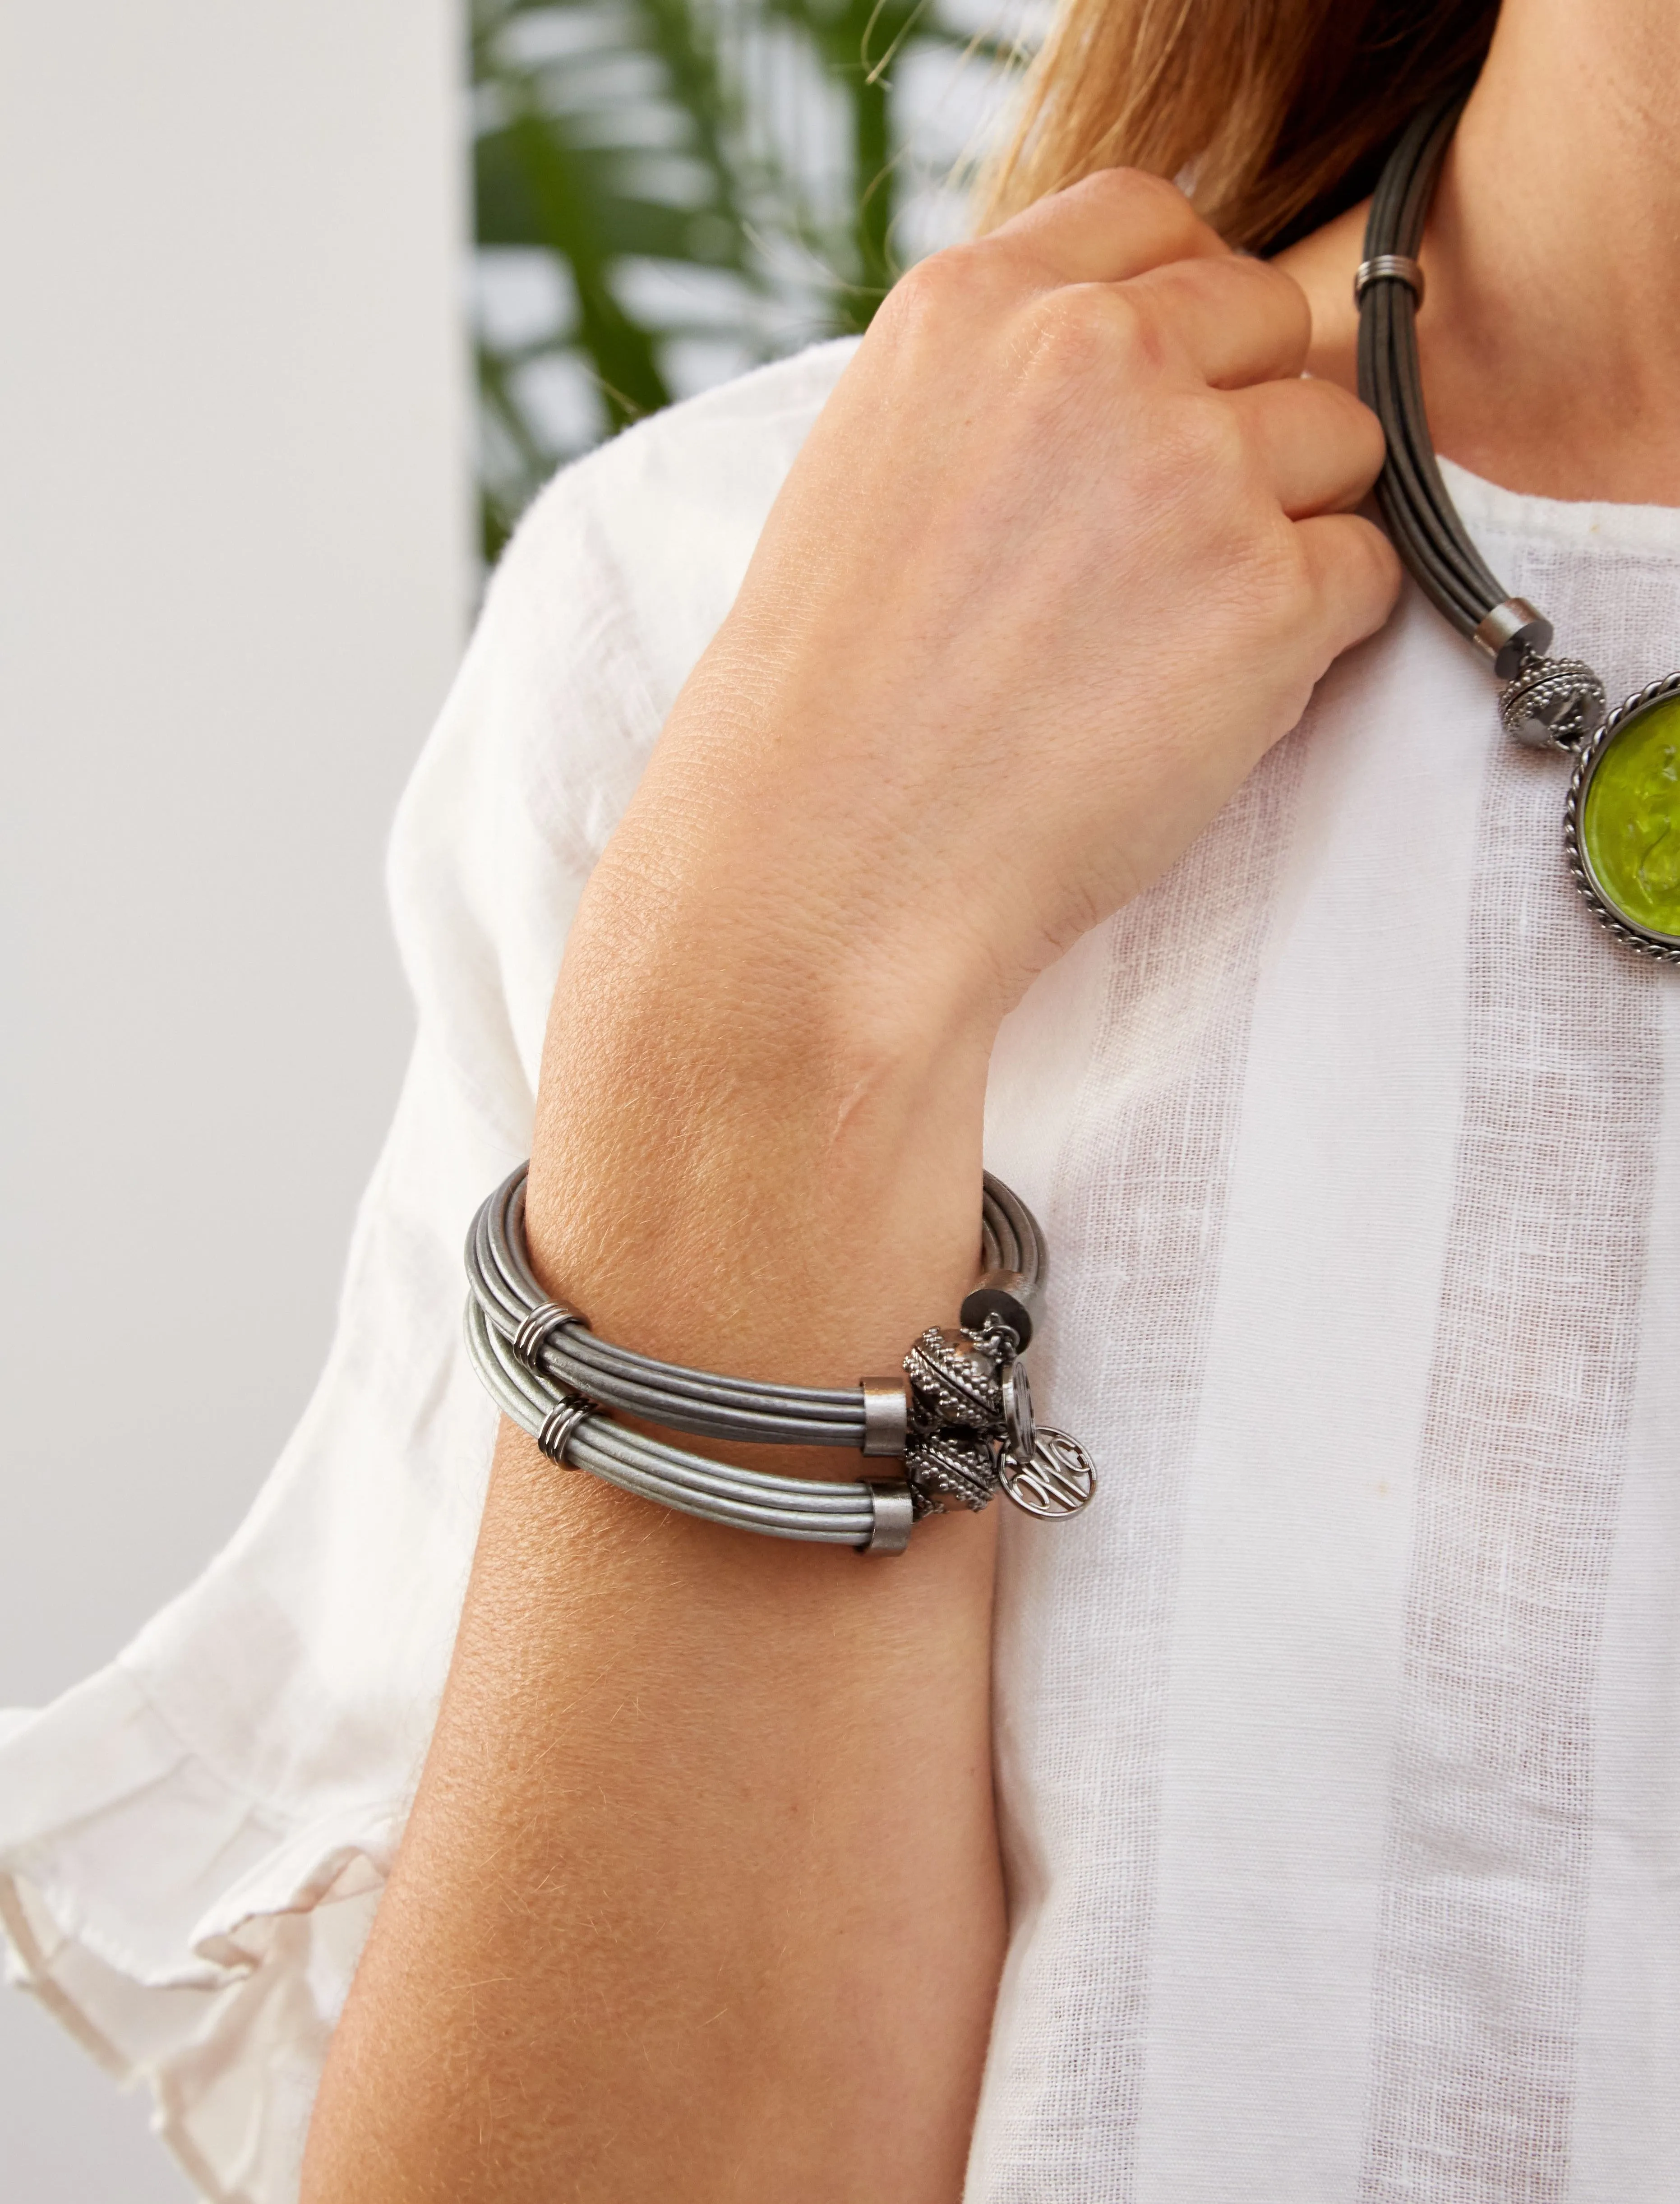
pixel 235 576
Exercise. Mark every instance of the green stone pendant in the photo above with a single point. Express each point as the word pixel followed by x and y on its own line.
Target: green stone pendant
pixel 1622 828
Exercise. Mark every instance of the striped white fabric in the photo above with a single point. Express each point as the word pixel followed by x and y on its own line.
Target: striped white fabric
pixel 1338 1744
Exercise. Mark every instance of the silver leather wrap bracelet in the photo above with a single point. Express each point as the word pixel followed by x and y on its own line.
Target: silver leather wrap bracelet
pixel 957 1414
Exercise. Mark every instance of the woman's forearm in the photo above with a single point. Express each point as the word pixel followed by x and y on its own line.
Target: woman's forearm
pixel 700 1896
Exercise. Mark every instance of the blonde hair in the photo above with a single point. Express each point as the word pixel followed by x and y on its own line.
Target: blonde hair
pixel 1275 114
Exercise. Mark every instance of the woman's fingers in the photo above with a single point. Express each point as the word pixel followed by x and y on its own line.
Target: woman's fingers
pixel 1320 448
pixel 1235 320
pixel 1113 225
pixel 1355 578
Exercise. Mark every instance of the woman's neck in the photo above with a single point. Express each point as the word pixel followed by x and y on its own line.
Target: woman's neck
pixel 1553 259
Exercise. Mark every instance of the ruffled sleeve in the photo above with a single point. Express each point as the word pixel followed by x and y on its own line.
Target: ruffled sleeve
pixel 193 1841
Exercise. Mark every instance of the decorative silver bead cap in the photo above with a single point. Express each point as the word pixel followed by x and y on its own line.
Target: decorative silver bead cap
pixel 1552 703
pixel 956 1395
pixel 954 1379
pixel 950 1468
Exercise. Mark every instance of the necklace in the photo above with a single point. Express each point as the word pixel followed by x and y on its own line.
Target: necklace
pixel 1622 815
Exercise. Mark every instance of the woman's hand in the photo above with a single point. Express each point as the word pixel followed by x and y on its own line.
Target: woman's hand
pixel 700 1896
pixel 1064 553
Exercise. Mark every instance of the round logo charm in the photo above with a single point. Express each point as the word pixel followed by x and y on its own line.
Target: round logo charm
pixel 1059 1479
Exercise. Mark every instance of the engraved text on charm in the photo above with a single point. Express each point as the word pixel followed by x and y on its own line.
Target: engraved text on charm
pixel 1060 1480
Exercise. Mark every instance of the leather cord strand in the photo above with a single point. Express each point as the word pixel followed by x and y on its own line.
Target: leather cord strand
pixel 1413 500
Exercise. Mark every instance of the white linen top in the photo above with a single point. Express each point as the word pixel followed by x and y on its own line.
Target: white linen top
pixel 1337 1743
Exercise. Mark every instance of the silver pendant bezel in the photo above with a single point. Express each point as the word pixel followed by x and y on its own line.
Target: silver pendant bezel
pixel 1644 941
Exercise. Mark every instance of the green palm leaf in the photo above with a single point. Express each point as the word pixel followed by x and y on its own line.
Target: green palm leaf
pixel 660 165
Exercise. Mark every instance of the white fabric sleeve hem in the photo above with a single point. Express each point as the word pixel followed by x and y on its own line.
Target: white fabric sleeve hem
pixel 241 1965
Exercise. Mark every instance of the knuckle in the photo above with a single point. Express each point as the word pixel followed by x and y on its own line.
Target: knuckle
pixel 1085 328
pixel 1278 582
pixel 1249 296
pixel 1381 562
pixel 1294 576
pixel 1120 191
pixel 1284 297
pixel 1355 429
pixel 1135 332
pixel 1207 441
pixel 1139 213
pixel 940 288
pixel 940 277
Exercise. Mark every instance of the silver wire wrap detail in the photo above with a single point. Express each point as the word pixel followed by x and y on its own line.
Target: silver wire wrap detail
pixel 559 1426
pixel 553 1377
pixel 529 1338
pixel 1387 268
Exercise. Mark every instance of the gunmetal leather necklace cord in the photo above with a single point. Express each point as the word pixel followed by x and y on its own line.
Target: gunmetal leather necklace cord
pixel 1622 815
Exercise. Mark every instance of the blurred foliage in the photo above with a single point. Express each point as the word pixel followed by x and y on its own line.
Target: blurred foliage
pixel 668 191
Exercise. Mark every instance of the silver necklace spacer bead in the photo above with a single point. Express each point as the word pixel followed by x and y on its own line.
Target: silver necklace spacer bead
pixel 1388 268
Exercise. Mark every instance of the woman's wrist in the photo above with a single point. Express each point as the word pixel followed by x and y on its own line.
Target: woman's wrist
pixel 754 923
pixel 723 1110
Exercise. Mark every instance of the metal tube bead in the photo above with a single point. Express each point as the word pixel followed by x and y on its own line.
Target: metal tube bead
pixel 1388 268
pixel 885 1414
pixel 1511 632
pixel 894 1515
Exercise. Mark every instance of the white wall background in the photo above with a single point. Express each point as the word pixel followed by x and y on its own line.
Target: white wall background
pixel 233 578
